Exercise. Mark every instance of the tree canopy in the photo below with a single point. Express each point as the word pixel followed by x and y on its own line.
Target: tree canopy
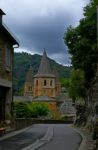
pixel 82 42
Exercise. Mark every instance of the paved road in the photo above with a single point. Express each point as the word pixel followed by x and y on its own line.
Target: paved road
pixel 65 138
pixel 23 139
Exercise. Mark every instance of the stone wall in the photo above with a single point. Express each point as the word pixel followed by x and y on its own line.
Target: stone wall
pixel 5 71
pixel 40 89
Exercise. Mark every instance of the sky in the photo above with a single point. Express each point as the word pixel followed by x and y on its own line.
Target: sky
pixel 40 24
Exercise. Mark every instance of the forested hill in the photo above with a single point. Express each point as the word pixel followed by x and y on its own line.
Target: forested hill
pixel 22 62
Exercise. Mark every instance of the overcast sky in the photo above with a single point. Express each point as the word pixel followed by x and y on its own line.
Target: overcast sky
pixel 40 24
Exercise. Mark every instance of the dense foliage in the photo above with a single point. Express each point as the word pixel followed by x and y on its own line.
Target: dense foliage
pixel 82 43
pixel 75 85
pixel 22 62
pixel 39 109
pixel 21 110
pixel 30 110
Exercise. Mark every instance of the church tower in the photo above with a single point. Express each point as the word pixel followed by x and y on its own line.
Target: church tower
pixel 44 80
pixel 57 82
pixel 28 87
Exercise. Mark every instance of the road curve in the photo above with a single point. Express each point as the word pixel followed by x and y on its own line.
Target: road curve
pixel 64 138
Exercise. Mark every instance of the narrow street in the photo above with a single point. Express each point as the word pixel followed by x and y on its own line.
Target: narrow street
pixel 63 138
pixel 21 140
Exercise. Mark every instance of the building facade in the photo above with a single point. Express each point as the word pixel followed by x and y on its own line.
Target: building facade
pixel 7 41
pixel 44 80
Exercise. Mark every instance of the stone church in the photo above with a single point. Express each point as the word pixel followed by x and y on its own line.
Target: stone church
pixel 43 86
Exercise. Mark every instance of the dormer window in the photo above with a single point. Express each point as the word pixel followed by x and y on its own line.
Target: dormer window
pixel 7 56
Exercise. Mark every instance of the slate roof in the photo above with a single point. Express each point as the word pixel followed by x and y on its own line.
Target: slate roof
pixel 29 76
pixel 44 98
pixel 44 68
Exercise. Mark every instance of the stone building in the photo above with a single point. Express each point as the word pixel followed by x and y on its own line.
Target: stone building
pixel 46 85
pixel 57 82
pixel 44 80
pixel 7 44
pixel 28 87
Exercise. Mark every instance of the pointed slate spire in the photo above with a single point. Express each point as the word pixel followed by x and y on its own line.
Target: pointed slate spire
pixel 29 76
pixel 44 68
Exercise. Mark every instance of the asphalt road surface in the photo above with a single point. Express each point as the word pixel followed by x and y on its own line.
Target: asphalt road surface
pixel 22 140
pixel 64 138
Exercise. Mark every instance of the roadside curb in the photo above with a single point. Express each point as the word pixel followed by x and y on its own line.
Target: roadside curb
pixel 83 145
pixel 39 142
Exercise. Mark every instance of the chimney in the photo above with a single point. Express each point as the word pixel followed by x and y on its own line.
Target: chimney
pixel 1 14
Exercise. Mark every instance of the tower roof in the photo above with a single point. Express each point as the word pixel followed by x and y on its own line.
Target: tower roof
pixel 44 68
pixel 29 76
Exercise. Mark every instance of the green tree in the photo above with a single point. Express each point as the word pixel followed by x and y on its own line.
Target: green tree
pixel 82 43
pixel 76 86
pixel 39 109
pixel 29 110
pixel 21 110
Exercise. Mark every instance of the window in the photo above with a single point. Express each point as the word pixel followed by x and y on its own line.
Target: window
pixel 51 82
pixel 45 82
pixel 36 82
pixel 7 56
pixel 30 88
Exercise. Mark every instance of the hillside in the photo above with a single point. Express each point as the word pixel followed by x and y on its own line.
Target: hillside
pixel 22 62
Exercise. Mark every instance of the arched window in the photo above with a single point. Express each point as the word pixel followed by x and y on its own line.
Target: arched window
pixel 36 82
pixel 51 82
pixel 45 82
pixel 30 88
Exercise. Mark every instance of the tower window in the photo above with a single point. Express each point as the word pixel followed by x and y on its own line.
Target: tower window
pixel 36 82
pixel 51 82
pixel 45 82
pixel 30 88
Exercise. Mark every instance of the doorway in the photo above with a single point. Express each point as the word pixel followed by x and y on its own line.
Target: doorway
pixel 3 91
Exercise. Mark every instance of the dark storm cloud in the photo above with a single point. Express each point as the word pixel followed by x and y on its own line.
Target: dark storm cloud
pixel 42 25
pixel 43 33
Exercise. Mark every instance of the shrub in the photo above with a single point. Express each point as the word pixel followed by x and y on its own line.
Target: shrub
pixel 21 110
pixel 28 110
pixel 39 109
